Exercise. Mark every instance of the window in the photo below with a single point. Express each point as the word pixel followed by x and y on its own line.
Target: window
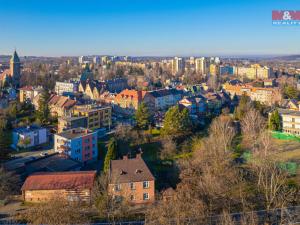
pixel 146 184
pixel 77 151
pixel 132 186
pixel 132 197
pixel 118 187
pixel 146 196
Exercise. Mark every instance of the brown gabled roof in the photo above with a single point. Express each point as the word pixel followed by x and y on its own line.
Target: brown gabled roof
pixel 61 101
pixel 60 180
pixel 129 170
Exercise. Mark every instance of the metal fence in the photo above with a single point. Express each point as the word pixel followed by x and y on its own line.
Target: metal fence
pixel 283 216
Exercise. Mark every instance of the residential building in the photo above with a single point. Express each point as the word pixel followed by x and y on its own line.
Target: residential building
pixel 200 65
pixel 129 100
pixel 28 137
pixel 78 143
pixel 214 69
pixel 291 104
pixel 28 93
pixel 96 60
pixel 70 86
pixel 97 116
pixel 255 71
pixel 214 102
pixel 69 122
pixel 71 186
pixel 226 70
pixel 61 105
pixel 131 179
pixel 162 99
pixel 116 85
pixel 82 59
pixel 267 96
pixel 92 88
pixel 177 65
pixel 196 105
pixel 290 120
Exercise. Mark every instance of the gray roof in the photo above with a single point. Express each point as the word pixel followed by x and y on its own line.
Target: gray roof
pixel 75 133
pixel 129 170
pixel 289 112
pixel 164 92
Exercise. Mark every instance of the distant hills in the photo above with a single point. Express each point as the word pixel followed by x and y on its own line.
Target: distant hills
pixel 288 58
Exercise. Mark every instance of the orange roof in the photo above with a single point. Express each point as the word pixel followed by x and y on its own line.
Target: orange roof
pixel 27 88
pixel 133 94
pixel 60 180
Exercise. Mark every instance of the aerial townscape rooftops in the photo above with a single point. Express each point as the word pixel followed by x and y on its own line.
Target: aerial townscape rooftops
pixel 134 112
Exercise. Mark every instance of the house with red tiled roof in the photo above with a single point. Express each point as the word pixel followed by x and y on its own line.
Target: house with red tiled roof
pixel 61 105
pixel 71 186
pixel 129 100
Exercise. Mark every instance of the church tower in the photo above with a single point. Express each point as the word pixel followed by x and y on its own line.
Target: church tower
pixel 15 69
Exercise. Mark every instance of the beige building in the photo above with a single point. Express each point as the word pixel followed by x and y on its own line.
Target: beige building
pixel 28 93
pixel 97 116
pixel 290 120
pixel 267 96
pixel 200 65
pixel 255 71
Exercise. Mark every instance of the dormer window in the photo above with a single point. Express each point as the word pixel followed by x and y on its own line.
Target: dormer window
pixel 138 171
pixel 122 172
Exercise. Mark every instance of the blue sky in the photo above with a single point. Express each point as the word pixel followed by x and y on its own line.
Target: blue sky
pixel 146 27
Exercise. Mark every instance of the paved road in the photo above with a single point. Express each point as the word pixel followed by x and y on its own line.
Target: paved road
pixel 23 157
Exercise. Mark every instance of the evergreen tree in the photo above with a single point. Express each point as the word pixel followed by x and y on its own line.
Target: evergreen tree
pixel 142 116
pixel 111 153
pixel 176 122
pixel 5 141
pixel 242 108
pixel 43 113
pixel 274 122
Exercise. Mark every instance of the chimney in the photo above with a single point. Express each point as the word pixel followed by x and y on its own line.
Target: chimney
pixel 139 154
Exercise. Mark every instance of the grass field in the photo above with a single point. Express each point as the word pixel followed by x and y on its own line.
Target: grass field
pixel 289 151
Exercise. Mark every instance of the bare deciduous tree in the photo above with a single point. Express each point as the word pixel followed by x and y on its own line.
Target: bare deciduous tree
pixel 169 148
pixel 9 183
pixel 222 128
pixel 252 126
pixel 56 211
pixel 272 182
